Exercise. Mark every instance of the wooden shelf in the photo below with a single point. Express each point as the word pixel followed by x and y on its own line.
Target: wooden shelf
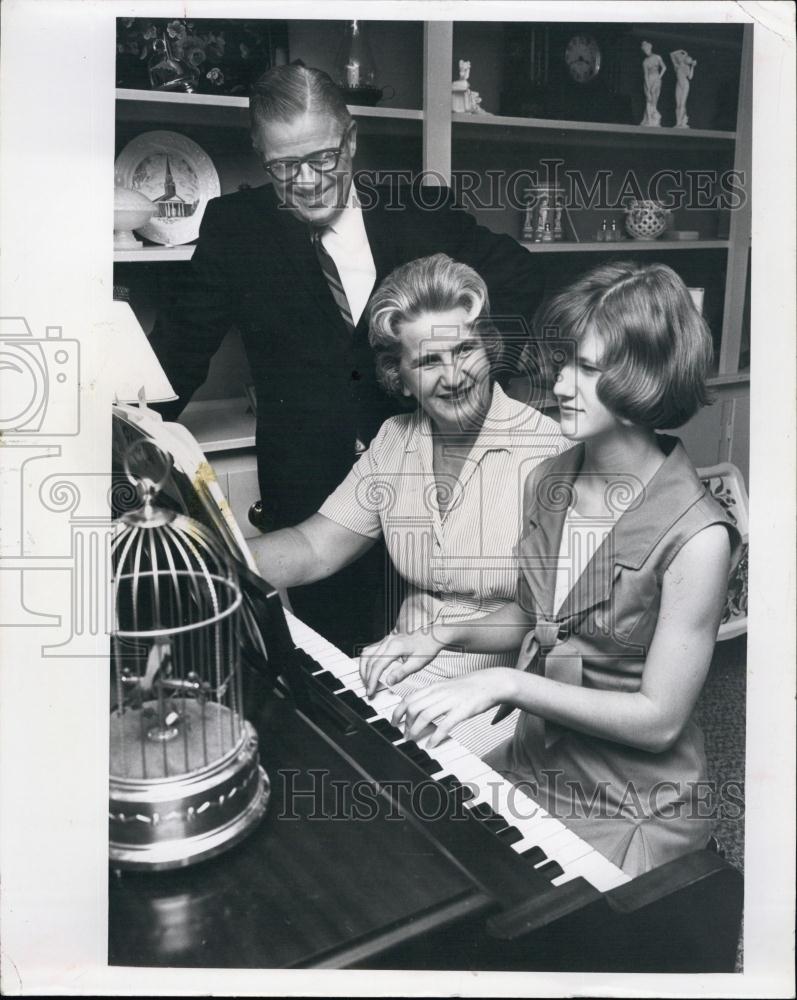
pixel 675 34
pixel 152 255
pixel 186 100
pixel 397 114
pixel 624 246
pixel 544 126
pixel 220 110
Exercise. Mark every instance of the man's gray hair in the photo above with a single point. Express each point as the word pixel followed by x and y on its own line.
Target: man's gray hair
pixel 284 93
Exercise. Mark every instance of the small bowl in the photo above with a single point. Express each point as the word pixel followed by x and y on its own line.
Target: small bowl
pixel 646 220
pixel 131 210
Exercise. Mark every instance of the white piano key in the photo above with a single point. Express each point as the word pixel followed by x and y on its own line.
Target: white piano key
pixel 568 876
pixel 516 809
pixel 468 769
pixel 571 851
pixel 526 844
pixel 449 752
pixel 495 791
pixel 384 702
pixel 540 831
pixel 605 875
pixel 351 682
pixel 355 684
pixel 343 667
pixel 344 674
pixel 596 869
pixel 524 811
pixel 551 836
pixel 561 845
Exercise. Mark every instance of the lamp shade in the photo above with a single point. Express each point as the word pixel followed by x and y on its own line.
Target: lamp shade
pixel 137 374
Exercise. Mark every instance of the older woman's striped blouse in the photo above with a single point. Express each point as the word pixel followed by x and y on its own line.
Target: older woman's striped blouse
pixel 453 540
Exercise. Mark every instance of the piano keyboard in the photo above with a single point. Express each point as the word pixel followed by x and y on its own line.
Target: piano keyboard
pixel 553 849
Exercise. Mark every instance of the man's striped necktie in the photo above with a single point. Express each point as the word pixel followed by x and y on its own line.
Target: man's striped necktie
pixel 333 279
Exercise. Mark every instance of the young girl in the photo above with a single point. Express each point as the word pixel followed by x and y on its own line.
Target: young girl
pixel 624 562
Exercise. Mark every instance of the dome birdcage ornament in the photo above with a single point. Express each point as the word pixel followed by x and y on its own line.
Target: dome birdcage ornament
pixel 185 777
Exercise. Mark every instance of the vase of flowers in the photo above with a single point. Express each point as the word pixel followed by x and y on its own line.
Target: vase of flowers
pixel 207 56
pixel 166 71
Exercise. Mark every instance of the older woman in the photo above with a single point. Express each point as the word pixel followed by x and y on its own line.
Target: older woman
pixel 444 483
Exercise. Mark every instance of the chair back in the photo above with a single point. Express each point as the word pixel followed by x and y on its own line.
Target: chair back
pixel 725 484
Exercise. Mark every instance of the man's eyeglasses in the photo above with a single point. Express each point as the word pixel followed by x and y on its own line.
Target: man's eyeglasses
pixel 320 160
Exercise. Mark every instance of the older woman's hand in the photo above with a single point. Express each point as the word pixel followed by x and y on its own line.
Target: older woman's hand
pixel 442 706
pixel 401 654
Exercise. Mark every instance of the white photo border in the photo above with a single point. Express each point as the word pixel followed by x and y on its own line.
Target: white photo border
pixel 56 186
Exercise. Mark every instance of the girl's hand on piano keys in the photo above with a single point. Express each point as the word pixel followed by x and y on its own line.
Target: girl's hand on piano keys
pixel 397 656
pixel 442 706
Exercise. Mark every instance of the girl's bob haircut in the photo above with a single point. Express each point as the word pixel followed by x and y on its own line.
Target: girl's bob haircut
pixel 426 285
pixel 658 349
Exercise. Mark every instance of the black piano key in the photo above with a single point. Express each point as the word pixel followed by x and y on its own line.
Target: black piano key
pixel 348 697
pixel 551 869
pixel 411 749
pixel 362 708
pixel 419 757
pixel 430 767
pixel 383 727
pixel 329 681
pixel 510 835
pixel 534 855
pixel 456 788
pixel 485 811
pixel 495 823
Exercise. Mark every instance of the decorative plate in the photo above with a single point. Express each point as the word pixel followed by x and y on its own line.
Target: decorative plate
pixel 177 175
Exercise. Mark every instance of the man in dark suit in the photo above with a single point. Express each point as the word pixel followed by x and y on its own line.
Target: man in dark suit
pixel 262 264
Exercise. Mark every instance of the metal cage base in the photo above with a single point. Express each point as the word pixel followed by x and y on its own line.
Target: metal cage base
pixel 175 822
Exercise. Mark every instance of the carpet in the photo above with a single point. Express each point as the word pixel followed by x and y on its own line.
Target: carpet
pixel 721 713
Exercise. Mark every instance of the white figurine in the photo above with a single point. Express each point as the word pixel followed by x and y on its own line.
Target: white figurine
pixel 653 69
pixel 462 97
pixel 460 88
pixel 684 66
pixel 475 103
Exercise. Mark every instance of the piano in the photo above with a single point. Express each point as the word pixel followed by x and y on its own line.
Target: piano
pixel 378 852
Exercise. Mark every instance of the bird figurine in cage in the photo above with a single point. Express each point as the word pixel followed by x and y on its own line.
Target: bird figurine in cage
pixel 185 777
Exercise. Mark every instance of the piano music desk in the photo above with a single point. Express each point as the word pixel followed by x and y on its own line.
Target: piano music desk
pixel 225 431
